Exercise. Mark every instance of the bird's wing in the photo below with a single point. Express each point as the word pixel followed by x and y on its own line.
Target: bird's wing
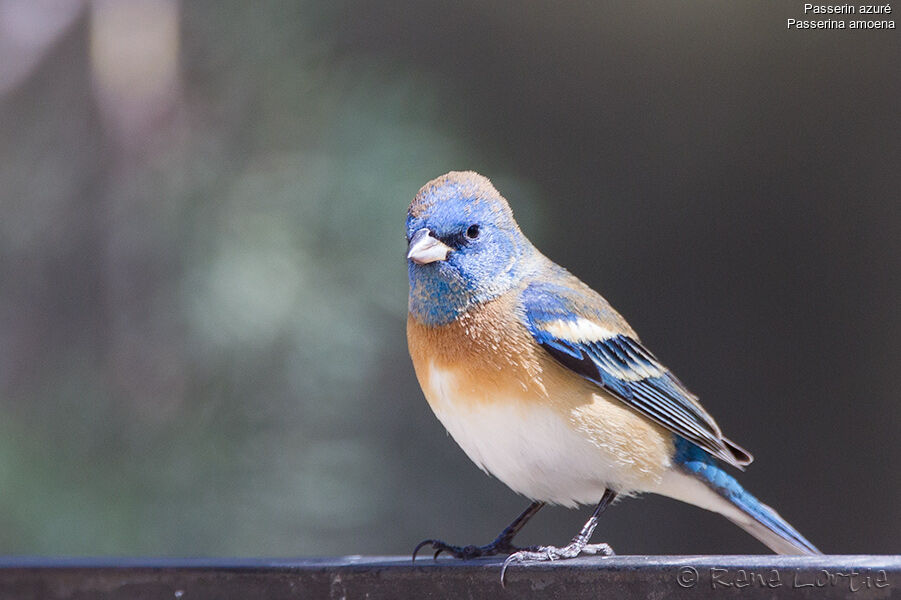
pixel 582 331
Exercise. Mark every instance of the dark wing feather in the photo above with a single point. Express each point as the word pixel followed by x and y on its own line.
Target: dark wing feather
pixel 580 330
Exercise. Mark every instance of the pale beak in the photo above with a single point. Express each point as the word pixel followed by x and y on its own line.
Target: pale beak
pixel 425 249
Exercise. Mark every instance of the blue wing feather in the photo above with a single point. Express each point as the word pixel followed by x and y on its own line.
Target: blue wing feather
pixel 617 362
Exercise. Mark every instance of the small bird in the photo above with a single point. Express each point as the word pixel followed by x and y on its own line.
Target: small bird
pixel 546 387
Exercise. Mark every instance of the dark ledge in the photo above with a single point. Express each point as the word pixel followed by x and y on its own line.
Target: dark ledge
pixel 374 577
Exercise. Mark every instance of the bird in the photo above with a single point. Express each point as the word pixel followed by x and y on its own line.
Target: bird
pixel 547 388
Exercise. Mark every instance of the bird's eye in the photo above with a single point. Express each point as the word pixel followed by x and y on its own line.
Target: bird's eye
pixel 473 232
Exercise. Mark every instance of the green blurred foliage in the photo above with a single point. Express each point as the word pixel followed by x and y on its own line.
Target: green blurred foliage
pixel 193 320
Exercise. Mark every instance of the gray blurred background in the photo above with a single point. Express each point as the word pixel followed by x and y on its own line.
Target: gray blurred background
pixel 203 289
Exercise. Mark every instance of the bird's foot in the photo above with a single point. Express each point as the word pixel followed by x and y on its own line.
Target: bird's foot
pixel 498 546
pixel 575 548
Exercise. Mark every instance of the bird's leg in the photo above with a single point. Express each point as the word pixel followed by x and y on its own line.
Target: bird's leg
pixel 578 545
pixel 503 543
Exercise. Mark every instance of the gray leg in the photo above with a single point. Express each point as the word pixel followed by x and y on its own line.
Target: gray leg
pixel 579 544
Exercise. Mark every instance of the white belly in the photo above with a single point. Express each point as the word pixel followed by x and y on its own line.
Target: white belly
pixel 535 450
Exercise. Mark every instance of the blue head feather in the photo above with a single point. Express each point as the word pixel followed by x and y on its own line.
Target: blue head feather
pixel 478 268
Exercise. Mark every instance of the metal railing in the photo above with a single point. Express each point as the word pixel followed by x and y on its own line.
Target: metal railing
pixel 619 577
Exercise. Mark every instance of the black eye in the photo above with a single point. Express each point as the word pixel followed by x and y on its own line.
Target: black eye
pixel 473 232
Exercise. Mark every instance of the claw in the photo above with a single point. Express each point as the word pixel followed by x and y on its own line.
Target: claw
pixel 440 546
pixel 511 558
pixel 419 547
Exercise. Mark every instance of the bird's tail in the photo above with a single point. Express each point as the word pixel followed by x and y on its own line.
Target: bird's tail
pixel 700 471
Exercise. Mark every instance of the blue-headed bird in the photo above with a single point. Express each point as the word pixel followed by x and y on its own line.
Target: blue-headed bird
pixel 546 387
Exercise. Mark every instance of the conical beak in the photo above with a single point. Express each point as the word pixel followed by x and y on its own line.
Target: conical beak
pixel 425 249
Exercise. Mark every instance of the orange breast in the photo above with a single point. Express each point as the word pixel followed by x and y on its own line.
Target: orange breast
pixel 491 354
pixel 481 348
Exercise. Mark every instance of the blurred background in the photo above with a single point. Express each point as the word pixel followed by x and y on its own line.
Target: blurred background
pixel 203 286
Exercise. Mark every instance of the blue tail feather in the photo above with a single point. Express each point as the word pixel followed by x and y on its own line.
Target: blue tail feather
pixel 698 463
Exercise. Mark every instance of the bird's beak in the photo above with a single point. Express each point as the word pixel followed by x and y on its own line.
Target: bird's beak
pixel 425 249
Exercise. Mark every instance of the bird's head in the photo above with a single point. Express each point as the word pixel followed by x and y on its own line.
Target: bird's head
pixel 464 246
